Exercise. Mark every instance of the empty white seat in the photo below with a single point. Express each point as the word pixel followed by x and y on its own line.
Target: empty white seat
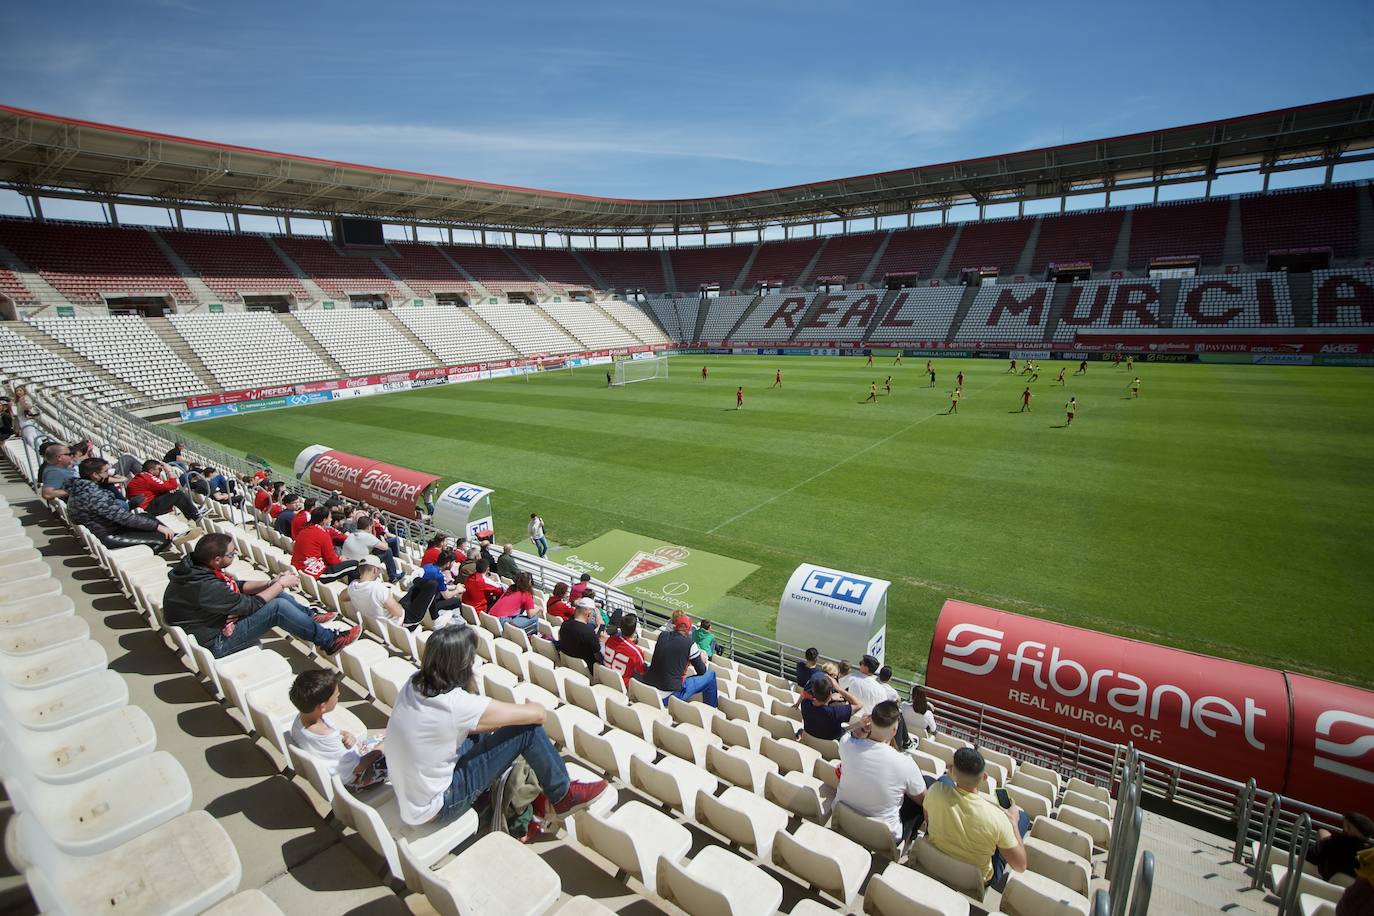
pixel 740 766
pixel 378 821
pixel 465 885
pixel 1029 894
pixel 32 610
pixel 356 661
pixel 686 741
pixel 870 832
pixel 824 859
pixel 1087 803
pixel 672 781
pixel 1058 864
pixel 633 838
pixel 800 793
pixel 1034 804
pixel 562 722
pixel 1063 835
pixel 389 676
pixel 611 752
pixel 901 891
pixel 1099 828
pixel 716 882
pixel 49 708
pixel 45 669
pixel 636 718
pixel 82 750
pixel 14 591
pixel 743 818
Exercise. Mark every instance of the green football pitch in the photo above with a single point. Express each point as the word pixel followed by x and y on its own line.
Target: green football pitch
pixel 1227 510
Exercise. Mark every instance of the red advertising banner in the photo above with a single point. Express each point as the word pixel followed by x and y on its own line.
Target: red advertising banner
pixel 1332 760
pixel 1228 343
pixel 383 486
pixel 1218 716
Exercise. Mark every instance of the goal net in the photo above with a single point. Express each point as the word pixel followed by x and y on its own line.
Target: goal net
pixel 639 370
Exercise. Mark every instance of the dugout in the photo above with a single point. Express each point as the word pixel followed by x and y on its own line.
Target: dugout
pixel 843 614
pixel 464 508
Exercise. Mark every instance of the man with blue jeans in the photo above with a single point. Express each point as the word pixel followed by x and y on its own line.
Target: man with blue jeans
pixel 226 615
pixel 674 651
pixel 537 538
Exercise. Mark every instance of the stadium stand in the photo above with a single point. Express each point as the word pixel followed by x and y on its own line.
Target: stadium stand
pixel 249 349
pixel 526 328
pixel 233 265
pixel 338 274
pixel 635 320
pixel 848 256
pixel 1017 311
pixel 781 261
pixel 628 269
pixel 915 251
pixel 1300 218
pixel 665 311
pixel 129 350
pixel 1234 301
pixel 13 289
pixel 491 267
pixel 588 325
pixel 1185 229
pixel 87 262
pixel 723 312
pixel 845 316
pixel 688 312
pixel 924 313
pixel 1343 298
pixel 1069 237
pixel 454 335
pixel 362 341
pixel 995 243
pixel 559 269
pixel 696 267
pixel 425 270
pixel 27 360
pixel 1109 305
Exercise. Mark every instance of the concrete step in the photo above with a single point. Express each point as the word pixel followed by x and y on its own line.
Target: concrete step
pixel 400 327
pixel 178 345
pixel 294 325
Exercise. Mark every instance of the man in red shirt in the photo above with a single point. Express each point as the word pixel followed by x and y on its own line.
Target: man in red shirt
pixel 302 518
pixel 478 590
pixel 157 492
pixel 263 498
pixel 621 651
pixel 583 583
pixel 313 551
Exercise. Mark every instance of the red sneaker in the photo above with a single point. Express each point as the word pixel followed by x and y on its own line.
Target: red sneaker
pixel 344 639
pixel 326 616
pixel 580 795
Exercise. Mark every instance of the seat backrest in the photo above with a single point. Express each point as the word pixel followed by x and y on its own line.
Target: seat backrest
pixel 183 641
pixel 516 635
pixel 508 657
pixel 622 717
pixel 608 677
pixel 313 769
pixel 675 742
pixel 1042 787
pixel 657 782
pixel 1057 864
pixel 696 897
pixel 641 692
pixel 869 832
pixel 607 839
pixel 682 711
pixel 545 648
pixel 595 750
pixel 961 876
pixel 1039 772
pixel 1086 788
pixel 800 799
pixel 1029 894
pixel 1063 835
pixel 436 891
pixel 776 727
pixel 1034 804
pixel 829 748
pixel 370 826
pixel 544 677
pixel 902 891
pixel 577 664
pixel 581 695
pixel 738 826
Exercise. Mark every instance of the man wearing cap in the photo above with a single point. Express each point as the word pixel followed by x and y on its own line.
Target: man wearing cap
pixel 372 597
pixel 675 653
pixel 577 637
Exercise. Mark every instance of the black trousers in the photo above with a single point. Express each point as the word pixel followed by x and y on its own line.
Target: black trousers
pixel 176 499
pixel 132 537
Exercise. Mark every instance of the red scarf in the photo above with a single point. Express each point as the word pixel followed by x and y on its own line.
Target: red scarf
pixel 232 584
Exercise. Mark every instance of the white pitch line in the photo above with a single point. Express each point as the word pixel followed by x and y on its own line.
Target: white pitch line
pixel 842 461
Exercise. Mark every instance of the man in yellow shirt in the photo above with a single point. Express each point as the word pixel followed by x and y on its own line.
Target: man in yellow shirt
pixel 968 825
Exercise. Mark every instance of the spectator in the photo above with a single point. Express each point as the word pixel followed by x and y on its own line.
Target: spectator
pixel 515 605
pixel 362 542
pixel 1336 853
pixel 674 654
pixel 705 639
pixel 808 668
pixel 460 550
pixel 558 606
pixel 156 491
pixel 919 715
pixel 1358 899
pixel 885 682
pixel 505 564
pixel 313 551
pixel 447 745
pixel 577 637
pixel 864 686
pixel 478 589
pixel 371 597
pixel 225 614
pixel 263 497
pixel 7 420
pixel 291 505
pixel 95 503
pixel 303 516
pixel 876 779
pixel 827 709
pixel 355 759
pixel 436 544
pixel 173 455
pixel 468 566
pixel 484 551
pixel 222 488
pixel 622 652
pixel 432 593
pixel 59 469
pixel 537 538
pixel 968 825
pixel 584 582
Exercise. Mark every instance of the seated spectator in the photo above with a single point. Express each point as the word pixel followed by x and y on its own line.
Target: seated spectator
pixel 1358 898
pixel 584 582
pixel 436 544
pixel 484 551
pixel 919 715
pixel 96 503
pixel 263 497
pixel 302 516
pixel 291 506
pixel 225 614
pixel 356 759
pixel 622 652
pixel 174 456
pixel 1336 853
pixel 505 564
pixel 468 567
pixel 515 605
pixel 577 637
pixel 864 687
pixel 444 594
pixel 157 491
pixel 885 682
pixel 964 823
pixel 808 668
pixel 674 654
pixel 59 469
pixel 372 597
pixel 361 542
pixel 223 489
pixel 479 589
pixel 705 639
pixel 876 779
pixel 313 550
pixel 827 709
pixel 558 606
pixel 447 744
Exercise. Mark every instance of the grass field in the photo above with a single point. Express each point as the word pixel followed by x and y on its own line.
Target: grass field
pixel 1226 511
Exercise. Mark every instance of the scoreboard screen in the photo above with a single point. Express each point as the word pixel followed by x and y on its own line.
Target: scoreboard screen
pixel 366 232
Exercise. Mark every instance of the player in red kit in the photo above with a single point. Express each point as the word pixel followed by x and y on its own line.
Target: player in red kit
pixel 870 358
pixel 1013 366
pixel 703 373
pixel 777 379
pixel 961 379
pixel 1025 400
pixel 1061 375
pixel 739 397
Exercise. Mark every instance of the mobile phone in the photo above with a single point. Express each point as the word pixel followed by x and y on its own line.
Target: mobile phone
pixel 1004 798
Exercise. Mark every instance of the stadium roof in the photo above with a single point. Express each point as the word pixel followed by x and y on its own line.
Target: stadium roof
pixel 56 156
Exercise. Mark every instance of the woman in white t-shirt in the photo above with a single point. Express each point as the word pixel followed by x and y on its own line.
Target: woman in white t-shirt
pixel 919 715
pixel 446 744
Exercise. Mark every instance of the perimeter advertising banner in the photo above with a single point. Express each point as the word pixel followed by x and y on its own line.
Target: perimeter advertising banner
pixel 383 486
pixel 1332 762
pixel 464 507
pixel 841 613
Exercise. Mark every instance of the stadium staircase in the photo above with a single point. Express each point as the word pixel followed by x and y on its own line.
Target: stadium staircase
pixel 477 284
pixel 586 265
pixel 528 271
pixel 178 345
pixel 1168 301
pixel 961 311
pixel 406 292
pixel 1121 252
pixel 942 266
pixel 811 264
pixel 744 316
pixel 738 282
pixel 199 291
pixel 294 325
pixel 873 262
pixel 1194 872
pixel 40 290
pixel 400 327
pixel 889 297
pixel 1233 249
pixel 311 287
pixel 1300 291
pixel 612 320
pixel 1027 258
pixel 55 346
pixel 1057 303
pixel 1364 221
pixel 669 279
pixel 492 330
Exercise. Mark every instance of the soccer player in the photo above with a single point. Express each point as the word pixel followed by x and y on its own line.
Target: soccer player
pixel 870 358
pixel 961 378
pixel 898 360
pixel 1061 375
pixel 872 393
pixel 703 373
pixel 1135 387
pixel 1035 373
pixel 1082 368
pixel 888 384
pixel 739 397
pixel 1013 366
pixel 1130 363
pixel 777 379
pixel 1071 408
pixel 1025 400
pixel 929 368
pixel 954 397
pixel 608 380
pixel 932 375
pixel 1116 360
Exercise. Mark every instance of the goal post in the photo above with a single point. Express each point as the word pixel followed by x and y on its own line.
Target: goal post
pixel 639 370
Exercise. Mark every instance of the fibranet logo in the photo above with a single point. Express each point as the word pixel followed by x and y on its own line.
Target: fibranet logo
pixel 1353 749
pixel 977 650
pixel 849 589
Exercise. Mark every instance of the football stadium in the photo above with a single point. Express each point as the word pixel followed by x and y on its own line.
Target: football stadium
pixel 983 530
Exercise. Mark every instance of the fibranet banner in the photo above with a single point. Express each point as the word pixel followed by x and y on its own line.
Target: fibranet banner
pixel 1220 716
pixel 841 613
pixel 382 486
pixel 1332 761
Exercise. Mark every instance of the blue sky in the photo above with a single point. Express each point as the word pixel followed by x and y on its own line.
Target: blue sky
pixel 651 99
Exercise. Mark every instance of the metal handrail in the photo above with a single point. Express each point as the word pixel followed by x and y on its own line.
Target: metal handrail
pixel 1245 813
pixel 1144 884
pixel 1102 904
pixel 1297 851
pixel 1266 841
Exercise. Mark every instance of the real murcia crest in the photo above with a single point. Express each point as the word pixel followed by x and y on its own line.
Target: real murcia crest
pixel 644 565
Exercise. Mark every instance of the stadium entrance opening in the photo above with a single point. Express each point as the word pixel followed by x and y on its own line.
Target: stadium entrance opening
pixel 709 290
pixel 764 287
pixel 1174 267
pixel 1299 260
pixel 145 306
pixel 367 301
pixel 523 298
pixel 1069 272
pixel 904 280
pixel 279 304
pixel 455 299
pixel 978 276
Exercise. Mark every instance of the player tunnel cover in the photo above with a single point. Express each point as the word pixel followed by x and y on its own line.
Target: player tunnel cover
pixel 1309 738
pixel 382 486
